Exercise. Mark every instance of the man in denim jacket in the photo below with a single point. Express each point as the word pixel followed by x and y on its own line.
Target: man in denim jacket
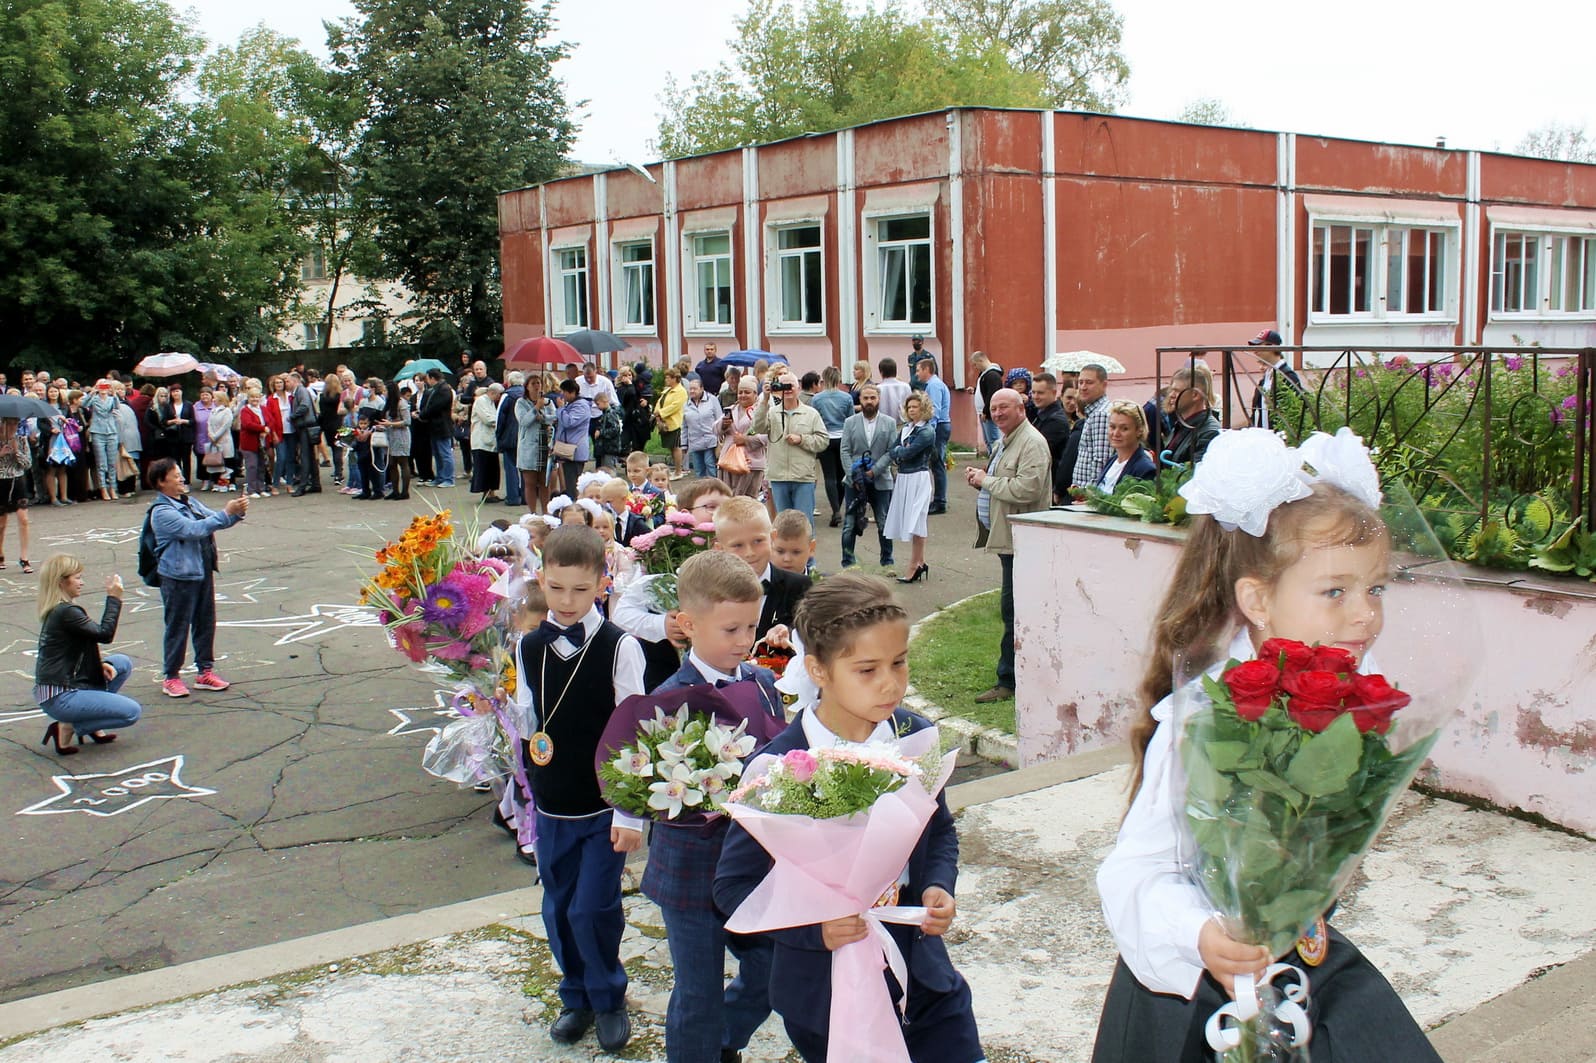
pixel 183 539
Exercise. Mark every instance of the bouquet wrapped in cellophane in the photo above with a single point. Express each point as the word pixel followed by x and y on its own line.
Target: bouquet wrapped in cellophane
pixel 660 554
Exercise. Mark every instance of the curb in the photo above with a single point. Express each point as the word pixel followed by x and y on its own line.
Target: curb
pixel 988 743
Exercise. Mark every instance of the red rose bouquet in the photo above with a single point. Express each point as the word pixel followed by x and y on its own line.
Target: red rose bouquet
pixel 1290 771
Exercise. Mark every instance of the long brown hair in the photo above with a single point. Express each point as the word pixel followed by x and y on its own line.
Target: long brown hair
pixel 1200 609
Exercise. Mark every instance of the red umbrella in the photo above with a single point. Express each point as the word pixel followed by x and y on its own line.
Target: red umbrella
pixel 543 350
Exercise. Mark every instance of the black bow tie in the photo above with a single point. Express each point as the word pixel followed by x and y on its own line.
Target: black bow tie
pixel 737 678
pixel 555 631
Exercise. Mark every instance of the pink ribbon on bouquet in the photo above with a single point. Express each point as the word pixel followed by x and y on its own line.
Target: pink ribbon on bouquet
pixel 831 869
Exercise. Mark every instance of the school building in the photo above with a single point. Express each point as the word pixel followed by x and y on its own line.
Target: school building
pixel 1022 233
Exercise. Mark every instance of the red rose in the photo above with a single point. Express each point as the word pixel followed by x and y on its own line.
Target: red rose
pixel 1374 702
pixel 1332 659
pixel 1252 687
pixel 1290 655
pixel 1315 698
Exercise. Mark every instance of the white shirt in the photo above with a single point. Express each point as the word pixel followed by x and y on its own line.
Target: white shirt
pixel 870 430
pixel 1111 477
pixel 819 736
pixel 626 681
pixel 710 673
pixel 892 391
pixel 601 386
pixel 1153 910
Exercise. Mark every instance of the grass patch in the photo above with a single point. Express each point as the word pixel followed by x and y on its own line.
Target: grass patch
pixel 953 656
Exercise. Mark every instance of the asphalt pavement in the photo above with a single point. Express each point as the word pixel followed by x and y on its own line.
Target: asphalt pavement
pixel 291 804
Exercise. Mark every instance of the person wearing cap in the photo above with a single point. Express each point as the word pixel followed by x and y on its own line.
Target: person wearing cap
pixel 917 354
pixel 104 436
pixel 1287 376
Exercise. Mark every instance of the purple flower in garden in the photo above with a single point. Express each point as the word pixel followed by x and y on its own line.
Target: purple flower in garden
pixel 1363 372
pixel 1566 369
pixel 1513 363
pixel 1444 371
pixel 446 603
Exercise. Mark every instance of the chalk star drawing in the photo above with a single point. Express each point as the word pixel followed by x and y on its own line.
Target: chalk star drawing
pixel 321 619
pixel 409 726
pixel 247 589
pixel 105 536
pixel 121 791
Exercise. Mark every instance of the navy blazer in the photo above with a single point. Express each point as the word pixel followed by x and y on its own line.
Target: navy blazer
pixel 781 599
pixel 1140 467
pixel 680 872
pixel 800 976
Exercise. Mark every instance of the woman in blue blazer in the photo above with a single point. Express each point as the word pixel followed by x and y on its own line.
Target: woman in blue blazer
pixel 1127 431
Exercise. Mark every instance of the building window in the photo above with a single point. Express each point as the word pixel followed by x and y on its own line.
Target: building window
pixel 570 300
pixel 373 332
pixel 710 265
pixel 798 277
pixel 314 268
pixel 903 272
pixel 1543 274
pixel 634 286
pixel 1380 271
pixel 317 335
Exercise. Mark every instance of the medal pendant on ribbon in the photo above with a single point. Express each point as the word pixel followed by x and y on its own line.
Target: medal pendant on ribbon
pixel 1313 945
pixel 541 748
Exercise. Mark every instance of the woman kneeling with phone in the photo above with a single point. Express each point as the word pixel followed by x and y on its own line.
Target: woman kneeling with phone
pixel 71 684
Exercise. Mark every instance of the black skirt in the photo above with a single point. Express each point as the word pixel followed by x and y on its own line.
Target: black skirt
pixel 13 495
pixel 1357 1017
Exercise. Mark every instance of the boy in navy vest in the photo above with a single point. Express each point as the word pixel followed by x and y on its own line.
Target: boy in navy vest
pixel 708 1020
pixel 572 671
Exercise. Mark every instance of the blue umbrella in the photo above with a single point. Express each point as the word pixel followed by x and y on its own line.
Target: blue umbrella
pixel 421 365
pixel 746 359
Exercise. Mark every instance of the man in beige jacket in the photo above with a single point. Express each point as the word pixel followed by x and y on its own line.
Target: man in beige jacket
pixel 797 437
pixel 1018 479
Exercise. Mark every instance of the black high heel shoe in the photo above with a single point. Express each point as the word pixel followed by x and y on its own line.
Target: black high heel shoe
pixel 54 732
pixel 917 575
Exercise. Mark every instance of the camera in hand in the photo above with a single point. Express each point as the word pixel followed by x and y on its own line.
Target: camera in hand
pixel 780 386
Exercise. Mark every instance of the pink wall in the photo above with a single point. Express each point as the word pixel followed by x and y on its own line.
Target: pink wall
pixel 1524 736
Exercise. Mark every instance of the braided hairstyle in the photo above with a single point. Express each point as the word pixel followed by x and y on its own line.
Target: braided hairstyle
pixel 838 607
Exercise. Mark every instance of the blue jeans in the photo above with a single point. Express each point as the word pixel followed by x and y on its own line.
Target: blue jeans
pixel 188 605
pixel 939 467
pixel 97 710
pixel 702 462
pixel 283 473
pixel 105 455
pixel 794 494
pixel 1005 668
pixel 512 479
pixel 880 501
pixel 705 1015
pixel 991 433
pixel 443 459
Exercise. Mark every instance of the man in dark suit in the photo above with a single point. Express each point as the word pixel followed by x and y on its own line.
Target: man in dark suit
pixel 1051 420
pixel 783 591
pixel 868 433
pixel 306 430
pixel 437 411
pixel 939 1024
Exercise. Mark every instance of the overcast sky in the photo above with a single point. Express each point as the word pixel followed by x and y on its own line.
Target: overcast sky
pixel 1480 74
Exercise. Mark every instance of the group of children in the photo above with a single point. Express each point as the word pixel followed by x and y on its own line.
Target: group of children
pixel 1315 575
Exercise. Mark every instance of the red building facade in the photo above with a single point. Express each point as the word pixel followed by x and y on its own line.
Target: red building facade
pixel 1022 233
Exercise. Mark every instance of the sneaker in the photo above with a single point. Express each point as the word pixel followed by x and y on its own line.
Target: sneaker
pixel 174 688
pixel 209 680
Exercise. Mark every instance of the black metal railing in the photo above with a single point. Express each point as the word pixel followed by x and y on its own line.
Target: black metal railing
pixel 1483 437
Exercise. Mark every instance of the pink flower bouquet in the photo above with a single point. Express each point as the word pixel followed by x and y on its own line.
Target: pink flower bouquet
pixel 840 825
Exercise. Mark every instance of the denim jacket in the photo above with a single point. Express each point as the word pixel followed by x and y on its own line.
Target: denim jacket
pixel 915 453
pixel 183 535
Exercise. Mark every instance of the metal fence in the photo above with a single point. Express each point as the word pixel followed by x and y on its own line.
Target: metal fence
pixel 1478 434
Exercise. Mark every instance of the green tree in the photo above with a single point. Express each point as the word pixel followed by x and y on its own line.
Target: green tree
pixel 1074 45
pixel 1209 110
pixel 96 208
pixel 824 66
pixel 460 102
pixel 1570 143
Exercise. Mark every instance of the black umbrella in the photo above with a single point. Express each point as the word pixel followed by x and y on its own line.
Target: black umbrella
pixel 19 406
pixel 591 341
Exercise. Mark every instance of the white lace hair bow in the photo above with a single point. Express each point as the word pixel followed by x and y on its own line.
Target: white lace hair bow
pixel 795 680
pixel 1248 472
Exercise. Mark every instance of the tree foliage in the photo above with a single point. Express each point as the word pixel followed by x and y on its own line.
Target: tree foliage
pixel 1209 110
pixel 458 103
pixel 1569 143
pixel 1074 45
pixel 824 66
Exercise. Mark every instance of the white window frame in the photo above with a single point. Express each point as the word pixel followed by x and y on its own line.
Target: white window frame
pixel 559 273
pixel 1385 235
pixel 872 253
pixel 1549 245
pixel 775 258
pixel 314 268
pixel 620 271
pixel 693 323
pixel 317 335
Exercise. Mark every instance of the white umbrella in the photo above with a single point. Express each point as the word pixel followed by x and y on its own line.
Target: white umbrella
pixel 223 372
pixel 1073 361
pixel 170 363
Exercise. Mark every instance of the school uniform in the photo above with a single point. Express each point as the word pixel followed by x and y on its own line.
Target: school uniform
pixel 783 591
pixel 630 525
pixel 939 1024
pixel 705 1016
pixel 571 681
pixel 1160 996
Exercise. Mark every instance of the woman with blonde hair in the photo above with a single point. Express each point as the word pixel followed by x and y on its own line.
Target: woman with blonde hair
pixel 77 690
pixel 911 483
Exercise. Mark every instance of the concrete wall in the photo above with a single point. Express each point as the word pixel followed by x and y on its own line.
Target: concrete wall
pixel 1524 735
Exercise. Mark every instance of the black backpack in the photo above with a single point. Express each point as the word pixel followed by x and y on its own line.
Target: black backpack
pixel 149 553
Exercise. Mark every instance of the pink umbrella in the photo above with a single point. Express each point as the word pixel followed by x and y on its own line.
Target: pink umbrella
pixel 170 363
pixel 543 350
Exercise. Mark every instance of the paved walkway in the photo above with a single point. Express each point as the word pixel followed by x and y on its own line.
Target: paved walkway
pixel 1481 921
